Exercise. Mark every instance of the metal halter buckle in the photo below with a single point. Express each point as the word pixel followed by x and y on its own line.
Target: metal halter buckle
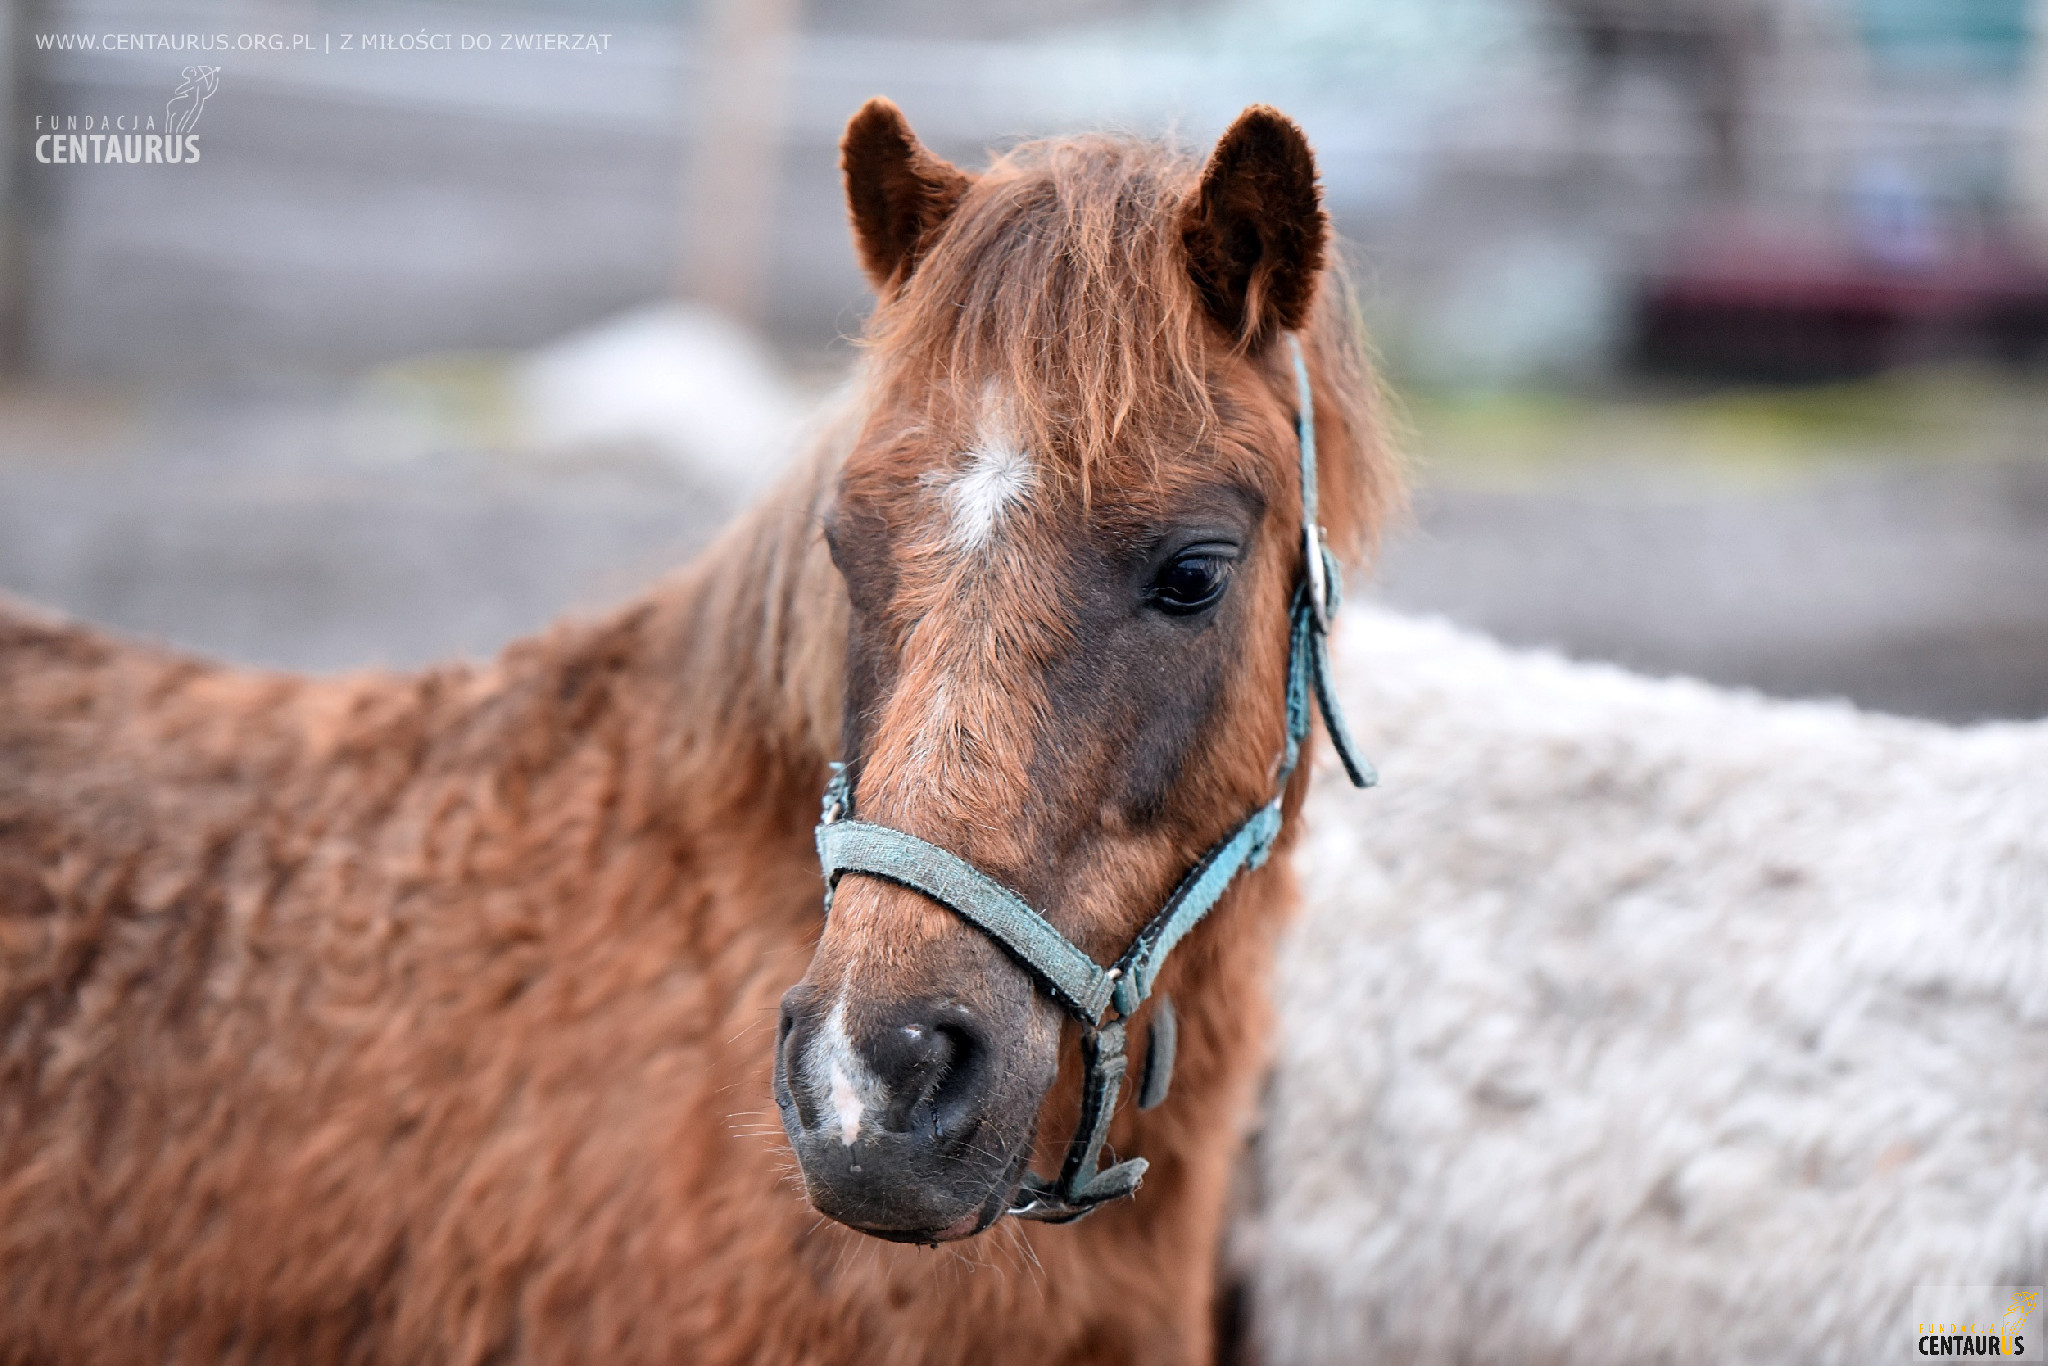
pixel 1318 575
pixel 838 803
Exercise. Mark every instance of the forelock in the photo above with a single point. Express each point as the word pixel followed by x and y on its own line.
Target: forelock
pixel 1062 277
pixel 1062 274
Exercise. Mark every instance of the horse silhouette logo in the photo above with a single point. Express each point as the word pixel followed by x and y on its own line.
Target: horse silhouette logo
pixel 2016 1315
pixel 195 86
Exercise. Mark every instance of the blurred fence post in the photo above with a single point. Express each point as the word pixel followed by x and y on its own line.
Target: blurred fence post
pixel 1709 47
pixel 2030 135
pixel 734 167
pixel 19 23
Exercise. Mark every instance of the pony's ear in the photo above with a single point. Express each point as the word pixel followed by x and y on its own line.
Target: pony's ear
pixel 898 193
pixel 1254 227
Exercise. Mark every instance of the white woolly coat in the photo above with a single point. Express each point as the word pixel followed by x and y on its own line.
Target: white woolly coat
pixel 1638 1021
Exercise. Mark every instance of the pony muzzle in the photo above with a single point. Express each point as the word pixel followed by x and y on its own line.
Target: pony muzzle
pixel 912 1115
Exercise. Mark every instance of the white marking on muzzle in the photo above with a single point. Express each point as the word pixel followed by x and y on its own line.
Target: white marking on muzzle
pixel 998 475
pixel 846 1101
pixel 838 1075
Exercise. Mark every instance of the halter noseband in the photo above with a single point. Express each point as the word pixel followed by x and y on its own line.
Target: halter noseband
pixel 1084 988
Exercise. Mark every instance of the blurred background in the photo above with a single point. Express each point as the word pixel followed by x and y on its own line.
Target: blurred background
pixel 1718 328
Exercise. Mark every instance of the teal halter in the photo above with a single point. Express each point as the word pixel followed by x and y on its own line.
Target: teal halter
pixel 1084 988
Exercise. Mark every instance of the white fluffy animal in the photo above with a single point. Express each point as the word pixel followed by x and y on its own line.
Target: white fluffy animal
pixel 1635 1021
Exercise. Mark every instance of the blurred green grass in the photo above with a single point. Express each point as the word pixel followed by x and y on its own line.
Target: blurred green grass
pixel 1762 436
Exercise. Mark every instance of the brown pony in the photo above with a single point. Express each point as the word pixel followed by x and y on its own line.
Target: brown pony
pixel 434 1018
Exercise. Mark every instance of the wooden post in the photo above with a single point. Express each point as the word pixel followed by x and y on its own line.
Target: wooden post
pixel 2030 139
pixel 734 168
pixel 19 24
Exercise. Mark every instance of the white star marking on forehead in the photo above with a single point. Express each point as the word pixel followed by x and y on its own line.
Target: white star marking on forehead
pixel 997 476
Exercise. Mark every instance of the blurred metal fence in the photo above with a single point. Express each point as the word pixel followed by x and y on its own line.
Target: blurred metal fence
pixel 1518 174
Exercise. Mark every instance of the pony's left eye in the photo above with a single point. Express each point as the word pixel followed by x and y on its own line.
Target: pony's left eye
pixel 1191 581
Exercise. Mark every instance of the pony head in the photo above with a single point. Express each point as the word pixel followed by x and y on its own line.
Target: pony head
pixel 1070 531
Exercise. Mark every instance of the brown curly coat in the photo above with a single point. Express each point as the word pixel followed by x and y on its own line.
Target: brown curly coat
pixel 429 1018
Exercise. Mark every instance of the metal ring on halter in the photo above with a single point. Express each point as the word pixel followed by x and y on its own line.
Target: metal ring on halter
pixel 1318 577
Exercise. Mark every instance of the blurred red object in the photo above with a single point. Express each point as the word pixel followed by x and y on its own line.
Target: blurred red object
pixel 1791 303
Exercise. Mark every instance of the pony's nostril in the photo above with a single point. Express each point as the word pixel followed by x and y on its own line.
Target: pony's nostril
pixel 910 1061
pixel 933 1070
pixel 789 1067
pixel 956 1097
pixel 931 1045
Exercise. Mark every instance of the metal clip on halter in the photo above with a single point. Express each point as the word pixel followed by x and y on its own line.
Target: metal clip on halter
pixel 1312 553
pixel 1102 998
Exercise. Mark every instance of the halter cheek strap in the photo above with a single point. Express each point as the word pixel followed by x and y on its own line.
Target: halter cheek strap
pixel 1103 998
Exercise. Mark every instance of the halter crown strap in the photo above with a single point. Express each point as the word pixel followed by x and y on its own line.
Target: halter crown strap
pixel 1321 586
pixel 1083 987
